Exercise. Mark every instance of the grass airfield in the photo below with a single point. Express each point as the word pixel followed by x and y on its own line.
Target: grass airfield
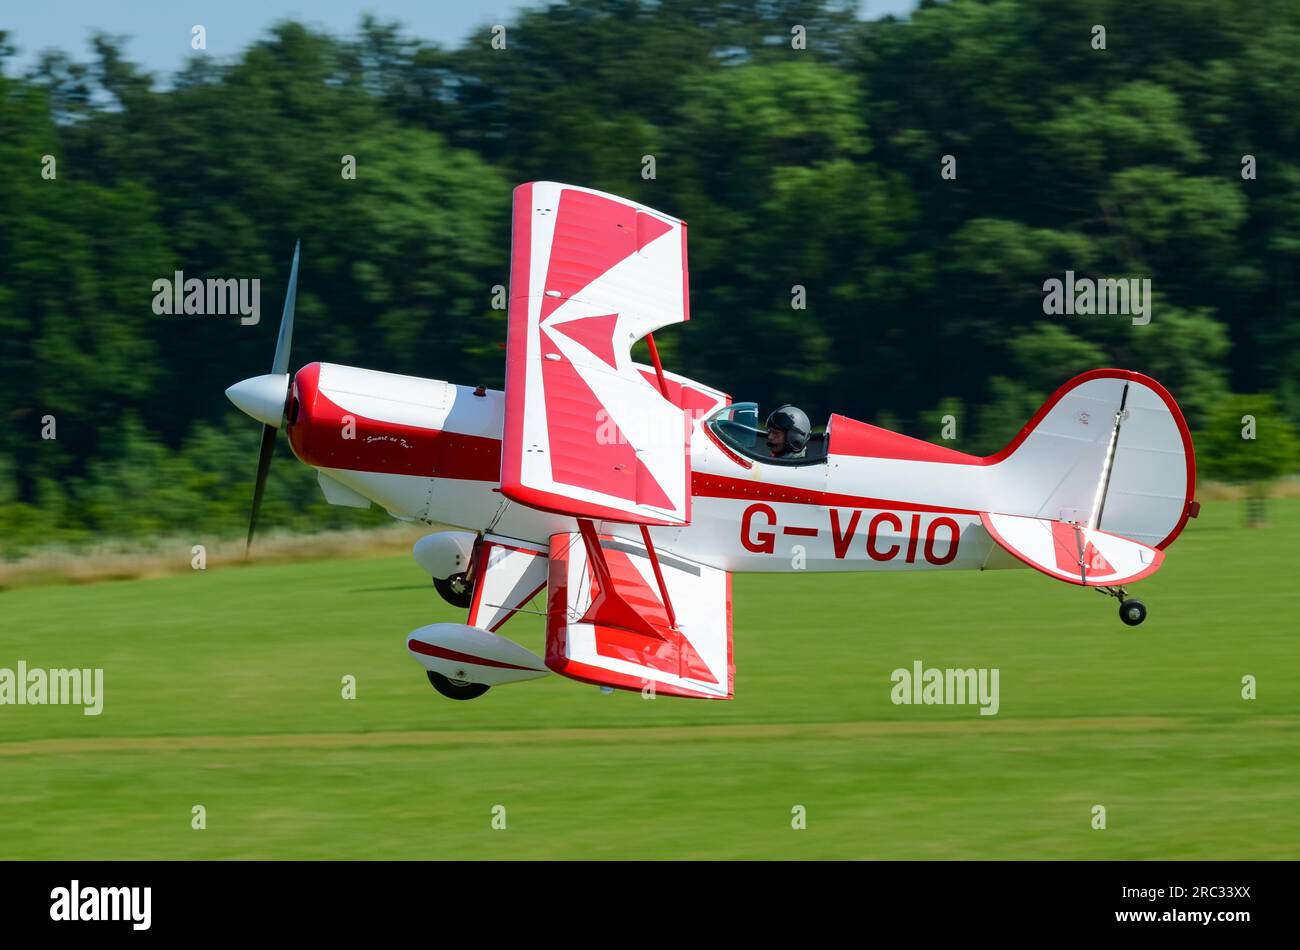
pixel 223 689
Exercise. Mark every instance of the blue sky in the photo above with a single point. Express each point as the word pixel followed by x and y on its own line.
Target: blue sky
pixel 159 30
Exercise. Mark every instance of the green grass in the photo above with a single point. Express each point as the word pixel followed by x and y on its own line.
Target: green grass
pixel 223 689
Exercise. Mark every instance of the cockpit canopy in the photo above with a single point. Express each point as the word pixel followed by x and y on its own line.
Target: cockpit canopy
pixel 740 428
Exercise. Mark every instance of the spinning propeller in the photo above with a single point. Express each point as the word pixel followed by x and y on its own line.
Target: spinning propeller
pixel 266 397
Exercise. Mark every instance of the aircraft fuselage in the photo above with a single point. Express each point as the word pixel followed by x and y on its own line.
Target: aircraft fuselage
pixel 430 451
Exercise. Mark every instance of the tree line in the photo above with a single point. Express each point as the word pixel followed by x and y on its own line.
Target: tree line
pixel 874 207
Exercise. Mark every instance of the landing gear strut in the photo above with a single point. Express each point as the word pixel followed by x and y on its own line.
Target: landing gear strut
pixel 455 590
pixel 1131 611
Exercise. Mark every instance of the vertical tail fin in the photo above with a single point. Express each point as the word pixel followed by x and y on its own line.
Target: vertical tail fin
pixel 1110 450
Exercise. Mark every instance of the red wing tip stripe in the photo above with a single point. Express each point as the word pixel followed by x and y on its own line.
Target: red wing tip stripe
pixel 600 676
pixel 428 649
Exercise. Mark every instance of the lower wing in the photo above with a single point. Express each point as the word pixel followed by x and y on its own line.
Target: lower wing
pixel 624 615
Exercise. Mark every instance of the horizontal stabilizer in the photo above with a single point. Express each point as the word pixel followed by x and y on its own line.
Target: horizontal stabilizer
pixel 1072 552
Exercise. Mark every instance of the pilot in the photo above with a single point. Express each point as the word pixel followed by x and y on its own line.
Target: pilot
pixel 787 432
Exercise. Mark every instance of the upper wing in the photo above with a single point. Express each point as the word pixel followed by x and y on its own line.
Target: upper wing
pixel 627 636
pixel 1073 552
pixel 585 433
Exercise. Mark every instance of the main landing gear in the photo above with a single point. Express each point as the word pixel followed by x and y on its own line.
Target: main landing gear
pixel 1131 611
pixel 456 689
pixel 455 590
pixel 458 591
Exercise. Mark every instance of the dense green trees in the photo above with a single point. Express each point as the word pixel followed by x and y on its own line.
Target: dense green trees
pixel 1246 441
pixel 810 176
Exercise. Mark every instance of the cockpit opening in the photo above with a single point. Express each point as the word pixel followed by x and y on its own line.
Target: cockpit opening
pixel 780 439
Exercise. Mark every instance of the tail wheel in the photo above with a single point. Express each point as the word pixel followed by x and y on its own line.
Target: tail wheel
pixel 455 590
pixel 1132 612
pixel 456 689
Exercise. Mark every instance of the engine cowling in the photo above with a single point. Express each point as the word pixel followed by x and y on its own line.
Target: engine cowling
pixel 444 553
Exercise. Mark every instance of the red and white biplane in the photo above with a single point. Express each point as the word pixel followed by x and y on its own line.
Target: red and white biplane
pixel 630 494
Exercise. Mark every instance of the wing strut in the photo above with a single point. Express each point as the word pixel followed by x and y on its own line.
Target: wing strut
pixel 659 576
pixel 608 606
pixel 659 371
